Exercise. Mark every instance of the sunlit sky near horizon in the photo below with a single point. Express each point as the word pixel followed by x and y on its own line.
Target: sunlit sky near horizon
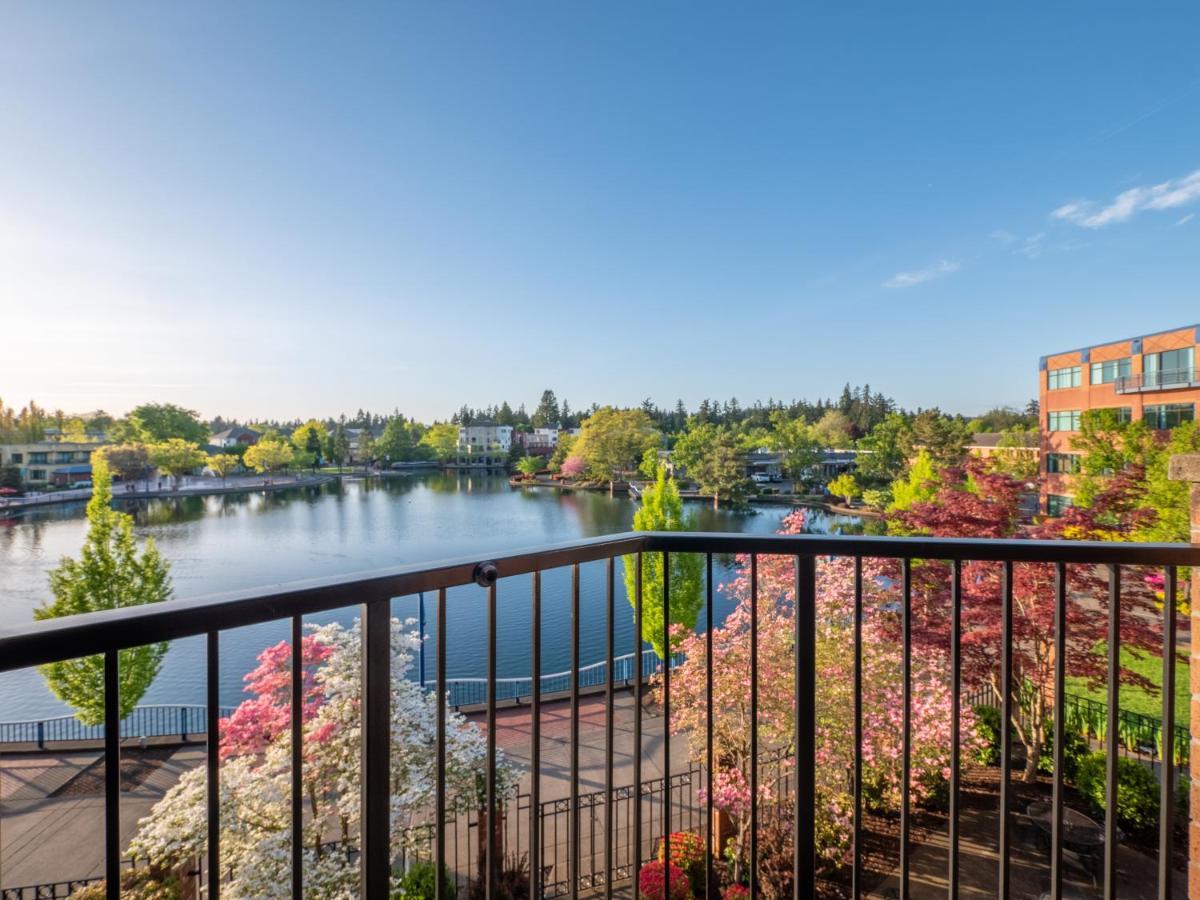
pixel 279 210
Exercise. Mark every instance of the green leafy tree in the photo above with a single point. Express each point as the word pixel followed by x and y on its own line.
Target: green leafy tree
pixel 884 457
pixel 661 509
pixel 367 450
pixel 269 455
pixel 529 466
pixel 339 445
pixel 832 430
pixel 919 486
pixel 153 423
pixel 613 441
pixel 713 458
pixel 222 464
pixel 845 486
pixel 794 438
pixel 310 440
pixel 110 574
pixel 395 444
pixel 563 449
pixel 128 461
pixel 176 457
pixel 442 440
pixel 943 438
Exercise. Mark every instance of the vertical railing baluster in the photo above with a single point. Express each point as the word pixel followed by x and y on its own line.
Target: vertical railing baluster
pixel 710 886
pixel 212 716
pixel 666 637
pixel 906 727
pixel 1110 741
pixel 490 850
pixel 955 716
pixel 610 593
pixel 112 776
pixel 856 870
pixel 1060 728
pixel 803 833
pixel 535 741
pixel 1006 715
pixel 1166 803
pixel 753 725
pixel 574 844
pixel 376 710
pixel 440 762
pixel 637 727
pixel 297 737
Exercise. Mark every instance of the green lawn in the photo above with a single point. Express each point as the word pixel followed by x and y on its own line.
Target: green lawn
pixel 1136 699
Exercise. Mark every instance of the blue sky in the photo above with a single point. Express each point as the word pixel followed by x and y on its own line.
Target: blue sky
pixel 279 210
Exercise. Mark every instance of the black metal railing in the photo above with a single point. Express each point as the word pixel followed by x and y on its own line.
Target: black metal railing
pixel 108 632
pixel 1156 381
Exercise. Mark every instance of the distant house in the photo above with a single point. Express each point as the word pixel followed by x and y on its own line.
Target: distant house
pixel 1006 443
pixel 235 437
pixel 484 443
pixel 540 441
pixel 50 462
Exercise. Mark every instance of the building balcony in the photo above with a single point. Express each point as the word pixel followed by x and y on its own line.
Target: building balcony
pixel 1171 380
pixel 608 770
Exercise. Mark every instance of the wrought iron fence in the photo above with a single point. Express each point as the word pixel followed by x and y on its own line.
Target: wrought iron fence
pixel 582 843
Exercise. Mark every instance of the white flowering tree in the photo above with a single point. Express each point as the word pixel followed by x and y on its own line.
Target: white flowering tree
pixel 255 784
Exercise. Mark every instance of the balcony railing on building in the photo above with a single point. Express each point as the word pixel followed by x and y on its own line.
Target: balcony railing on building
pixel 1171 379
pixel 597 837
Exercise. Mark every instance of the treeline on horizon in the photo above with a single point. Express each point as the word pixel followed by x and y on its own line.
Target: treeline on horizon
pixel 859 408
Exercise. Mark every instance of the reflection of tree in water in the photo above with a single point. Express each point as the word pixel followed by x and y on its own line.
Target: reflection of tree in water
pixel 164 510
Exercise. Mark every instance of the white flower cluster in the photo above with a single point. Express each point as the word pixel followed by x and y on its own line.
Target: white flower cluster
pixel 255 789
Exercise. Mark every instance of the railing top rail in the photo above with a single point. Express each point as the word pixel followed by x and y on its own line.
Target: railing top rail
pixel 56 639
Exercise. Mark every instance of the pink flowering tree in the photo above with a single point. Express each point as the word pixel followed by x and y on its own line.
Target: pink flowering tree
pixel 775 712
pixel 573 466
pixel 255 784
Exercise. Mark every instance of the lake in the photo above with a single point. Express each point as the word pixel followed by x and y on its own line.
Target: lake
pixel 259 540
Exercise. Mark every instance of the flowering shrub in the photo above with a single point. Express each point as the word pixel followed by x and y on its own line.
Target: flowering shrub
pixel 573 466
pixel 255 785
pixel 735 892
pixel 651 882
pixel 687 852
pixel 775 715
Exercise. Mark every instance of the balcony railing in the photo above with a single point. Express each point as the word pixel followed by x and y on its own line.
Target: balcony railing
pixel 108 632
pixel 1170 379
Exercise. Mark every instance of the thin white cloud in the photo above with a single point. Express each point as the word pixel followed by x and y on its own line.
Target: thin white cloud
pixel 1167 195
pixel 920 276
pixel 1033 246
pixel 1186 219
pixel 1004 237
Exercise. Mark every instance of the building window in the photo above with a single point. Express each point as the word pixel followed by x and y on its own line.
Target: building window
pixel 37 474
pixel 17 457
pixel 1168 368
pixel 1168 415
pixel 1064 378
pixel 1109 371
pixel 1063 420
pixel 1057 504
pixel 66 457
pixel 1062 463
pixel 40 458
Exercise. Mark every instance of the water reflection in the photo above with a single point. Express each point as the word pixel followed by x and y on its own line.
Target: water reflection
pixel 242 541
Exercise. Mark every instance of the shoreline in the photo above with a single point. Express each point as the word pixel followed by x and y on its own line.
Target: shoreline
pixel 20 504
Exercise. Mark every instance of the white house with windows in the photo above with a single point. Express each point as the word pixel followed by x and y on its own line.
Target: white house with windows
pixel 484 443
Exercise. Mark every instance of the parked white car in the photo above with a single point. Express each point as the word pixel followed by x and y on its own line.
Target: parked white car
pixel 760 478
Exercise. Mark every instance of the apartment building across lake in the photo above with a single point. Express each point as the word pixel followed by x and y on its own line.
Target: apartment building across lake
pixel 1151 377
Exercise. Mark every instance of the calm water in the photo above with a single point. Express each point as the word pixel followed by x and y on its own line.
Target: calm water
pixel 229 542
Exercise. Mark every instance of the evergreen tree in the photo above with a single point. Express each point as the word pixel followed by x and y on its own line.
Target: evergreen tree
pixel 662 510
pixel 547 413
pixel 110 574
